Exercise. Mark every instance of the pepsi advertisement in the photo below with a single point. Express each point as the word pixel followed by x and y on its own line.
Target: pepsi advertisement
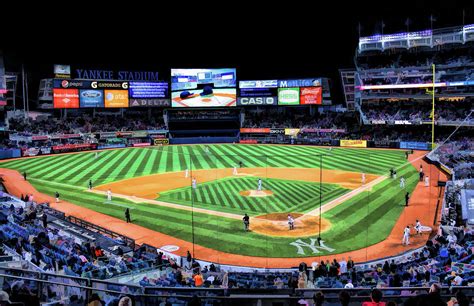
pixel 91 98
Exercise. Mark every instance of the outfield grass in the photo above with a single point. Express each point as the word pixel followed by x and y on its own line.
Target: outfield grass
pixel 224 195
pixel 361 221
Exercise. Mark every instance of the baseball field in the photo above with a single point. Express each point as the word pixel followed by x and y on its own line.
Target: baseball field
pixel 321 188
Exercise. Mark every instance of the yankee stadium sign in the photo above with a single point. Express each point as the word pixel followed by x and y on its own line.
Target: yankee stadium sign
pixel 88 74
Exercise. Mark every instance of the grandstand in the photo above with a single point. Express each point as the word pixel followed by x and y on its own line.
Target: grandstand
pixel 200 188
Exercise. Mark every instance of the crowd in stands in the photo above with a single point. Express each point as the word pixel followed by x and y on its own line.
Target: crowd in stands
pixel 298 119
pixel 458 156
pixel 418 110
pixel 455 56
pixel 86 124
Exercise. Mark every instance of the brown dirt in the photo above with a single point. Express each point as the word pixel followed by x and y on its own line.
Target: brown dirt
pixel 151 185
pixel 256 193
pixel 276 225
pixel 422 206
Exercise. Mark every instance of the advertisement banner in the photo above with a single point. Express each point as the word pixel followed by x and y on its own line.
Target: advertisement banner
pixel 157 131
pixel 66 136
pixel 323 130
pixel 248 141
pixel 141 144
pixel 378 122
pixel 258 84
pixel 39 137
pixel 77 84
pixel 123 134
pixel 74 147
pixel 255 130
pixel 91 98
pixel 36 151
pixel 161 141
pixel 262 101
pixel 111 146
pixel 65 98
pixel 277 131
pixel 311 95
pixel 139 134
pixel 414 145
pixel 292 132
pixel 299 83
pixel 107 135
pixel 116 98
pixel 258 92
pixel 353 143
pixel 382 144
pixel 109 84
pixel 288 96
pixel 150 102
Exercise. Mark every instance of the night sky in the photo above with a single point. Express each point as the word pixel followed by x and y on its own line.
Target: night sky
pixel 298 39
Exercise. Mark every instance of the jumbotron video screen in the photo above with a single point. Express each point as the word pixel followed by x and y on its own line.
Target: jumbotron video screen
pixel 203 87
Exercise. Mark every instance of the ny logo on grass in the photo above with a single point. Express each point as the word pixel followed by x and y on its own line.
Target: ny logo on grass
pixel 313 245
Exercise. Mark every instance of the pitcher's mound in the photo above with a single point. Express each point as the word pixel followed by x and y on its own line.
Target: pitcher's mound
pixel 276 224
pixel 256 193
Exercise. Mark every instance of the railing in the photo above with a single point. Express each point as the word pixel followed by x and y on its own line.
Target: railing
pixel 155 295
pixel 103 231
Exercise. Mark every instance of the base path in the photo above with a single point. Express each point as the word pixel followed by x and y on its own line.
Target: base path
pixel 150 186
pixel 422 206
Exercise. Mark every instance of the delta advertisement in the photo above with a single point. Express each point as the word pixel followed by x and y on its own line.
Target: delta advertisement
pixel 65 98
pixel 353 143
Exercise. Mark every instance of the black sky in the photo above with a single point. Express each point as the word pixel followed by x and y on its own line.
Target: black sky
pixel 277 39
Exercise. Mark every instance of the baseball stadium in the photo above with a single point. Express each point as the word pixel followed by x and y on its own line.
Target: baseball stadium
pixel 224 183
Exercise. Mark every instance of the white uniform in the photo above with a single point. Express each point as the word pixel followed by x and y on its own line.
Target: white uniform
pixel 363 178
pixel 406 236
pixel 186 173
pixel 259 187
pixel 109 195
pixel 402 182
pixel 194 183
pixel 418 227
pixel 291 222
pixel 96 154
pixel 234 172
pixel 427 181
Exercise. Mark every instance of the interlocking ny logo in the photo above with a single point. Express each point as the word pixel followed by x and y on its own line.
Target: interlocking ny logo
pixel 315 248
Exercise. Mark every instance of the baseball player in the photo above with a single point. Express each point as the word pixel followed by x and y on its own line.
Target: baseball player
pixel 363 178
pixel 406 235
pixel 418 227
pixel 90 184
pixel 234 171
pixel 259 186
pixel 57 196
pixel 291 222
pixel 402 182
pixel 109 195
pixel 427 181
pixel 194 183
pixel 96 155
pixel 186 173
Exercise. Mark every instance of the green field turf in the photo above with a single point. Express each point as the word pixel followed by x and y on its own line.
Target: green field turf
pixel 361 221
pixel 223 195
